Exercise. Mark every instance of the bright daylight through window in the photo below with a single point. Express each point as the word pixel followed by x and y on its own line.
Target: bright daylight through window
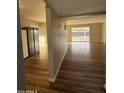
pixel 81 34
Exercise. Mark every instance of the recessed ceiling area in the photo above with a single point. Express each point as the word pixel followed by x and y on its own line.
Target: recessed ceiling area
pixel 33 10
pixel 77 7
pixel 86 20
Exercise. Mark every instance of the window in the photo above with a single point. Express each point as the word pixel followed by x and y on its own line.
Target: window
pixel 81 34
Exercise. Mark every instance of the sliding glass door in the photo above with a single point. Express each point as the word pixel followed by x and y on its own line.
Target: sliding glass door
pixel 81 34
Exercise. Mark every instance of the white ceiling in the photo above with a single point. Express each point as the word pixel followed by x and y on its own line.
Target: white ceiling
pixel 77 7
pixel 33 10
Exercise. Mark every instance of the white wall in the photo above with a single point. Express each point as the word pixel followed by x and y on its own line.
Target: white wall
pixel 57 43
pixel 28 23
pixel 43 34
pixel 24 43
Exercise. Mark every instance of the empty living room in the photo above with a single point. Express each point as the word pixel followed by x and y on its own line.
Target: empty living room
pixel 62 46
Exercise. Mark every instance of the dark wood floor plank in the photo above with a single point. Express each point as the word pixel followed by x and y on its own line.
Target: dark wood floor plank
pixel 82 70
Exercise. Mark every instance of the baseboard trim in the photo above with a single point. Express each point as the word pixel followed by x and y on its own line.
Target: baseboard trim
pixel 52 80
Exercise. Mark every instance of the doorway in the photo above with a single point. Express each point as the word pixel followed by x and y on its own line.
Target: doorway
pixel 81 34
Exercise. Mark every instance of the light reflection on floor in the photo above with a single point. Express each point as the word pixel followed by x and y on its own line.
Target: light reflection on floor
pixel 80 47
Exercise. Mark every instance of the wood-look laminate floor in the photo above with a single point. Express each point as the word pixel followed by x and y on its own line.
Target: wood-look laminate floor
pixel 82 70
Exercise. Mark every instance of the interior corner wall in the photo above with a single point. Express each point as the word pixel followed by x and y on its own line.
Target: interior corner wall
pixel 96 32
pixel 56 42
